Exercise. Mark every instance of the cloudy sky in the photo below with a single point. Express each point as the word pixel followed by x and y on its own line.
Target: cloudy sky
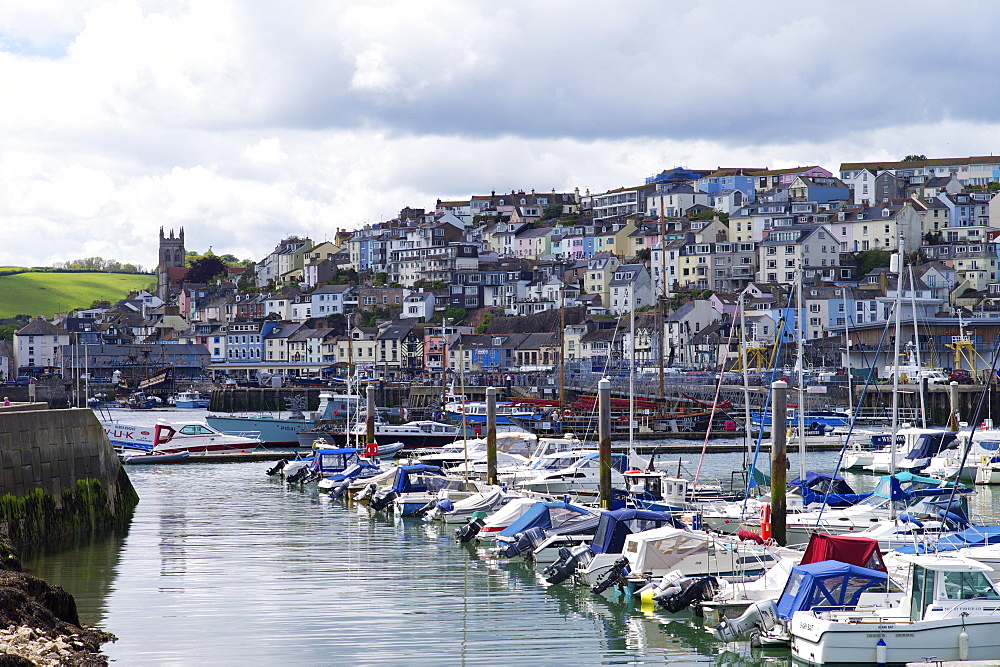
pixel 247 120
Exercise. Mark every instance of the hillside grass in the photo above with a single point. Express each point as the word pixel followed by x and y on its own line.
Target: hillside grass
pixel 50 293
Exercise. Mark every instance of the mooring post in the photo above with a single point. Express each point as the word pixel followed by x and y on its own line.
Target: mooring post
pixel 779 456
pixel 491 435
pixel 604 440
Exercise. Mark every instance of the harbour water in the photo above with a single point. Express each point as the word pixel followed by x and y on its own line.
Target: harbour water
pixel 224 565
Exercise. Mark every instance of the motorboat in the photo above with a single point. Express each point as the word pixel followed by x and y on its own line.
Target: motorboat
pixel 339 483
pixel 197 438
pixel 981 543
pixel 912 451
pixel 410 485
pixel 474 412
pixel 150 458
pixel 520 443
pixel 543 545
pixel 973 450
pixel 514 461
pixel 448 510
pixel 609 538
pixel 413 435
pixel 659 551
pixel 950 609
pixel 191 399
pixel 525 534
pixel 583 474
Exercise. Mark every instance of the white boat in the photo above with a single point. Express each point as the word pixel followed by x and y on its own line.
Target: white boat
pixel 474 412
pixel 912 451
pixel 191 399
pixel 950 610
pixel 514 459
pixel 469 449
pixel 197 438
pixel 583 474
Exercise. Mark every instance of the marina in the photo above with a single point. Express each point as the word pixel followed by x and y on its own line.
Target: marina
pixel 274 565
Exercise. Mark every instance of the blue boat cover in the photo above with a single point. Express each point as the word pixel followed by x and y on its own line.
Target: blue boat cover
pixel 906 486
pixel 973 536
pixel 930 444
pixel 616 525
pixel 828 583
pixel 402 483
pixel 820 487
pixel 333 459
pixel 538 516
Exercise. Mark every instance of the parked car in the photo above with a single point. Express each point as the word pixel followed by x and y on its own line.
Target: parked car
pixel 22 381
pixel 961 376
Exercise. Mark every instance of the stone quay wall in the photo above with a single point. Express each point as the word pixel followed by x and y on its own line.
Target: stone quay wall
pixel 59 474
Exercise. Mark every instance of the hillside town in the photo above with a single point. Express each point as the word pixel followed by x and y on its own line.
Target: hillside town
pixel 518 282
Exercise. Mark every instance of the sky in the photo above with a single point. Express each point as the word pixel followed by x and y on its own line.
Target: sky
pixel 247 121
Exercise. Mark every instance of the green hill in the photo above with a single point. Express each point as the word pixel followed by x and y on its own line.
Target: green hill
pixel 40 293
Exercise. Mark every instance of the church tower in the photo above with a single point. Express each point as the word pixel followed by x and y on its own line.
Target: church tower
pixel 171 256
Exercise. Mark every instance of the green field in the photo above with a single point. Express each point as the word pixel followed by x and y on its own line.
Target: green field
pixel 50 293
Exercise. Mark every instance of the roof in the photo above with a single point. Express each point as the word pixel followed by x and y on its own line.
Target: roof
pixel 40 327
pixel 917 164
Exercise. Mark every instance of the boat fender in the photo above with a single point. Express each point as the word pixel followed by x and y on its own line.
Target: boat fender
pixel 277 467
pixel 469 531
pixel 569 560
pixel 762 615
pixel 380 502
pixel 881 651
pixel 963 645
pixel 445 505
pixel 620 569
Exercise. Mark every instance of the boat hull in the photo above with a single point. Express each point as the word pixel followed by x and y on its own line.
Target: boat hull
pixel 410 441
pixel 816 640
pixel 273 432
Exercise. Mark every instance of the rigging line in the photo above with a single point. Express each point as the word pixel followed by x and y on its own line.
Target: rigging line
pixel 976 416
pixel 854 418
pixel 767 402
pixel 711 415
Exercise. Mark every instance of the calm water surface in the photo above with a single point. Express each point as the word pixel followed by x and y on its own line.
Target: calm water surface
pixel 224 565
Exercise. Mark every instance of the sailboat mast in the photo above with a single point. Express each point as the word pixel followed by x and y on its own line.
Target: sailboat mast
pixel 847 355
pixel 800 331
pixel 916 343
pixel 663 292
pixel 562 346
pixel 631 382
pixel 746 380
pixel 896 267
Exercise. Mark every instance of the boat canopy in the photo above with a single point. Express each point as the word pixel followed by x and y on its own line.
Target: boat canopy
pixel 541 514
pixel 333 459
pixel 973 536
pixel 820 487
pixel 851 549
pixel 930 444
pixel 402 482
pixel 827 584
pixel 616 525
pixel 904 486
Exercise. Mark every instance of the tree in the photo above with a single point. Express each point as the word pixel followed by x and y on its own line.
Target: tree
pixel 204 269
pixel 868 260
pixel 914 158
pixel 552 211
pixel 643 255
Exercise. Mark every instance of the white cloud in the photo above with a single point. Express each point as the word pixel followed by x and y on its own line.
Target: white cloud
pixel 245 122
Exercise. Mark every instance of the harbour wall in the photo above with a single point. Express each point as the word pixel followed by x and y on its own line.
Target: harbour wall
pixel 59 475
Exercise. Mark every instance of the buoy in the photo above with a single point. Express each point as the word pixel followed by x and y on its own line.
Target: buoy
pixel 765 521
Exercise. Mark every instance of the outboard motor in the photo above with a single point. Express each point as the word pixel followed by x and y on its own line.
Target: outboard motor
pixel 682 594
pixel 367 492
pixel 383 500
pixel 297 476
pixel 426 508
pixel 441 506
pixel 762 615
pixel 524 544
pixel 569 560
pixel 277 467
pixel 615 576
pixel 340 488
pixel 469 531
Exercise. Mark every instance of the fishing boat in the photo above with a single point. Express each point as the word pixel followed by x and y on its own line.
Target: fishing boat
pixel 191 399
